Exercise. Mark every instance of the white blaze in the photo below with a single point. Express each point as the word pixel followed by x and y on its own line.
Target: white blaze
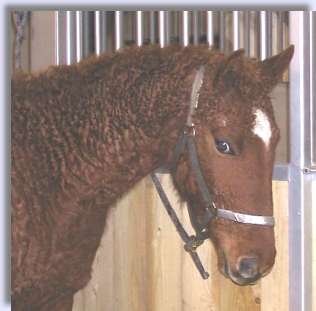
pixel 262 126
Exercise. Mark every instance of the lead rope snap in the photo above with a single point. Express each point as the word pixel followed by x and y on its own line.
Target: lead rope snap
pixel 192 244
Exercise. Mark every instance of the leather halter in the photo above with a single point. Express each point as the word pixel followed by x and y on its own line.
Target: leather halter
pixel 200 225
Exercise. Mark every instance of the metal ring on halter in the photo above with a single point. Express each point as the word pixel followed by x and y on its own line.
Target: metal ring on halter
pixel 190 129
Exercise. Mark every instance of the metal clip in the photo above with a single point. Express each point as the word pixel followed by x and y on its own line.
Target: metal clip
pixel 192 244
pixel 190 130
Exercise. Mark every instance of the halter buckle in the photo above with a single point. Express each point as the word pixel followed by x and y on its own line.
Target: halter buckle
pixel 189 130
pixel 192 244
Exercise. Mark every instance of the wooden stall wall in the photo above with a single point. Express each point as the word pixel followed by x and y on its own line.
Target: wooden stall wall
pixel 141 264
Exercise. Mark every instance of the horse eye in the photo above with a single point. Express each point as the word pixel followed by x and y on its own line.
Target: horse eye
pixel 223 147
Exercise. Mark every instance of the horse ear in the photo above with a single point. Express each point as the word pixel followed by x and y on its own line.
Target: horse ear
pixel 236 54
pixel 225 75
pixel 274 67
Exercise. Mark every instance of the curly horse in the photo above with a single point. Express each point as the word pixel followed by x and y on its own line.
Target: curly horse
pixel 84 134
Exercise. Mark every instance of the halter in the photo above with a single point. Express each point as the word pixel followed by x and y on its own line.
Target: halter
pixel 200 224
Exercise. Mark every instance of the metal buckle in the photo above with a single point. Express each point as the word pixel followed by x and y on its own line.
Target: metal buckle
pixel 213 209
pixel 193 244
pixel 189 130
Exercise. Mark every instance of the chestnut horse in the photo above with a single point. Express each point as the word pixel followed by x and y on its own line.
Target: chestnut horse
pixel 83 135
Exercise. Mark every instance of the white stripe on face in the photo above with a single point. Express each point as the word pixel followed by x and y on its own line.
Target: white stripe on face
pixel 262 126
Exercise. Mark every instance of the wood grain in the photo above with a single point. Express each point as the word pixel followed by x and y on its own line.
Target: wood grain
pixel 141 264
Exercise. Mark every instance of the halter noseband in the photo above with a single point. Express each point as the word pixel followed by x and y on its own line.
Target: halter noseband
pixel 211 211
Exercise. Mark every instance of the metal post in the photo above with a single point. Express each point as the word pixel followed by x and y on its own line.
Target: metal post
pixel 118 30
pixel 152 27
pixel 265 34
pixel 167 27
pixel 195 27
pixel 100 31
pixel 210 28
pixel 236 30
pixel 162 34
pixel 87 39
pixel 246 32
pixel 313 89
pixel 65 52
pixel 185 28
pixel 139 28
pixel 300 186
pixel 78 35
pixel 222 31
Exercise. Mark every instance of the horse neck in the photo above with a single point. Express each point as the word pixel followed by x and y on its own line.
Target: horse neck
pixel 131 127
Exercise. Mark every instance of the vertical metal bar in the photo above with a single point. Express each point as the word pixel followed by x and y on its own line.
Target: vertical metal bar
pixel 100 31
pixel 246 32
pixel 162 35
pixel 167 27
pixel 195 27
pixel 97 32
pixel 185 28
pixel 280 34
pixel 65 51
pixel 210 28
pixel 118 30
pixel 57 37
pixel 300 231
pixel 313 90
pixel 71 37
pixel 222 30
pixel 152 27
pixel 78 35
pixel 139 26
pixel 236 30
pixel 87 40
pixel 265 34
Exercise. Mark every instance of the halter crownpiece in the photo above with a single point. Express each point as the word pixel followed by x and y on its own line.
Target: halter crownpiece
pixel 211 211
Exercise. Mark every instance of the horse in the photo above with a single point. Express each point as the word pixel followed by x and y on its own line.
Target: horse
pixel 83 134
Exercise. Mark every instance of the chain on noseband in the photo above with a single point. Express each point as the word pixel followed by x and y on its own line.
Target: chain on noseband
pixel 187 141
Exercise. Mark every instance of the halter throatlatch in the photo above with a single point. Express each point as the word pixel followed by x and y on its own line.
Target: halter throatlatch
pixel 200 224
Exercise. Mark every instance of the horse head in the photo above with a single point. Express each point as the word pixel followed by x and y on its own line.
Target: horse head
pixel 235 135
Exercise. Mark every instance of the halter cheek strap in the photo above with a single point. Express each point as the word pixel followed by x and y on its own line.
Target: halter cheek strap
pixel 187 141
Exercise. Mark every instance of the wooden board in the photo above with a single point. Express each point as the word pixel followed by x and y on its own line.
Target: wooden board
pixel 141 264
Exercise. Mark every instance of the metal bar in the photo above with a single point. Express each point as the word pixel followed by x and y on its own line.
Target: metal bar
pixel 65 49
pixel 78 36
pixel 118 30
pixel 222 31
pixel 57 38
pixel 185 28
pixel 210 28
pixel 236 30
pixel 167 27
pixel 71 37
pixel 300 186
pixel 162 34
pixel 97 32
pixel 195 27
pixel 313 88
pixel 139 28
pixel 152 27
pixel 246 32
pixel 265 34
pixel 87 40
pixel 280 33
pixel 281 172
pixel 100 31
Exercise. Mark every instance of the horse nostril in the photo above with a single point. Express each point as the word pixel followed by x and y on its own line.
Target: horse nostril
pixel 248 267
